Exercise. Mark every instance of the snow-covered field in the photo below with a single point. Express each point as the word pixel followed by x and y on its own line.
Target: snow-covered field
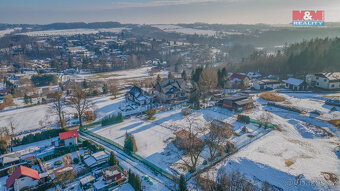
pixel 179 29
pixel 191 31
pixel 122 76
pixel 154 138
pixel 299 157
pixel 70 32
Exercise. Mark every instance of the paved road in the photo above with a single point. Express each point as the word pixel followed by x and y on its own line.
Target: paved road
pixel 127 162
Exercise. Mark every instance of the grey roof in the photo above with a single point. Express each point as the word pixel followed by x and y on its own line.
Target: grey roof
pixel 294 81
pixel 87 179
pixel 245 101
pixel 172 85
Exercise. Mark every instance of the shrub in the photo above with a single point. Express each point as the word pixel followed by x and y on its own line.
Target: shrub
pixel 44 80
pixel 108 120
pixel 272 96
pixel 243 118
pixel 75 160
pixel 150 113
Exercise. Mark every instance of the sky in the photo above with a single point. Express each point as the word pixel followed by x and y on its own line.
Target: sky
pixel 162 11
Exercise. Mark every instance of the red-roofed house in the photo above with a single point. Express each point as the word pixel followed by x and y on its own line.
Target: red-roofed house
pixel 237 79
pixel 68 138
pixel 23 177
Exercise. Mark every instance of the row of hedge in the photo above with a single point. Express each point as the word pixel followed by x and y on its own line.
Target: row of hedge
pixel 112 119
pixel 31 138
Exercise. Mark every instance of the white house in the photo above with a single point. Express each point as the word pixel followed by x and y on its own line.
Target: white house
pixel 296 84
pixel 69 138
pixel 266 84
pixel 23 177
pixel 328 81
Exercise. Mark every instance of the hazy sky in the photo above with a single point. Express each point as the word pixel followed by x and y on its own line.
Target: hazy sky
pixel 162 11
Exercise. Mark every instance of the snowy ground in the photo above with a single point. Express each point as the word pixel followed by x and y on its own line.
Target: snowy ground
pixel 154 138
pixel 122 77
pixel 300 157
pixel 70 32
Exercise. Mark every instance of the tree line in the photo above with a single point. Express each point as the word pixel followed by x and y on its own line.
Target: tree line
pixel 316 55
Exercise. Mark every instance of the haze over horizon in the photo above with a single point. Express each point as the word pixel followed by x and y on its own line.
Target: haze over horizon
pixel 162 11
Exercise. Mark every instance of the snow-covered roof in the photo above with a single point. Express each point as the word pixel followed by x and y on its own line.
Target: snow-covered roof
pixel 331 76
pixel 87 179
pixel 294 81
pixel 90 161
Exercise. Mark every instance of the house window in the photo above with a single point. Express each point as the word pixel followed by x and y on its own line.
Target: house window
pixel 332 85
pixel 325 80
pixel 317 78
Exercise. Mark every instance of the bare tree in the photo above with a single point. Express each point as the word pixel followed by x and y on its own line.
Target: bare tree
pixel 233 181
pixel 208 80
pixel 79 100
pixel 216 143
pixel 58 107
pixel 192 145
pixel 12 128
pixel 112 87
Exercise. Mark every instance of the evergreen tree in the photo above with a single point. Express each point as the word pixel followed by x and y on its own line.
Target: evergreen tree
pixel 158 78
pixel 105 89
pixel 113 160
pixel 184 75
pixel 85 84
pixel 170 76
pixel 195 77
pixel 138 184
pixel 26 99
pixel 130 143
pixel 182 184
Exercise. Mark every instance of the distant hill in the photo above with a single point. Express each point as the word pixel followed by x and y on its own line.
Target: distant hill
pixel 316 55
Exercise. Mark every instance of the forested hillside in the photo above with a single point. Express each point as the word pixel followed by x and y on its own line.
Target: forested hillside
pixel 316 55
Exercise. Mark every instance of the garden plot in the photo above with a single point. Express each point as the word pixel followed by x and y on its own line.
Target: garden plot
pixel 154 138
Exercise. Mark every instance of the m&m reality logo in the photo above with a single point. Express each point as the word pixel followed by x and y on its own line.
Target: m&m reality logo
pixel 308 18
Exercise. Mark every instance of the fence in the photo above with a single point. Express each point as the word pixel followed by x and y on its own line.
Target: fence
pixel 134 155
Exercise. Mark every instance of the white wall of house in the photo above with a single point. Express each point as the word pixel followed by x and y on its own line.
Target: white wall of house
pixel 265 86
pixel 71 141
pixel 321 82
pixel 24 182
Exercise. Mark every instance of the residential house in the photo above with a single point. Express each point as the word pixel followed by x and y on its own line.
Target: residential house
pixel 23 178
pixel 87 181
pixel 266 84
pixel 325 80
pixel 239 80
pixel 10 158
pixel 221 128
pixel 138 96
pixel 69 138
pixel 296 84
pixel 236 102
pixel 171 90
pixel 96 159
pixel 184 138
pixel 113 174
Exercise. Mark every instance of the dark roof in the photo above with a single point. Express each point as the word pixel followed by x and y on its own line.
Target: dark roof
pixel 238 76
pixel 172 85
pixel 235 98
pixel 244 102
pixel 22 171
